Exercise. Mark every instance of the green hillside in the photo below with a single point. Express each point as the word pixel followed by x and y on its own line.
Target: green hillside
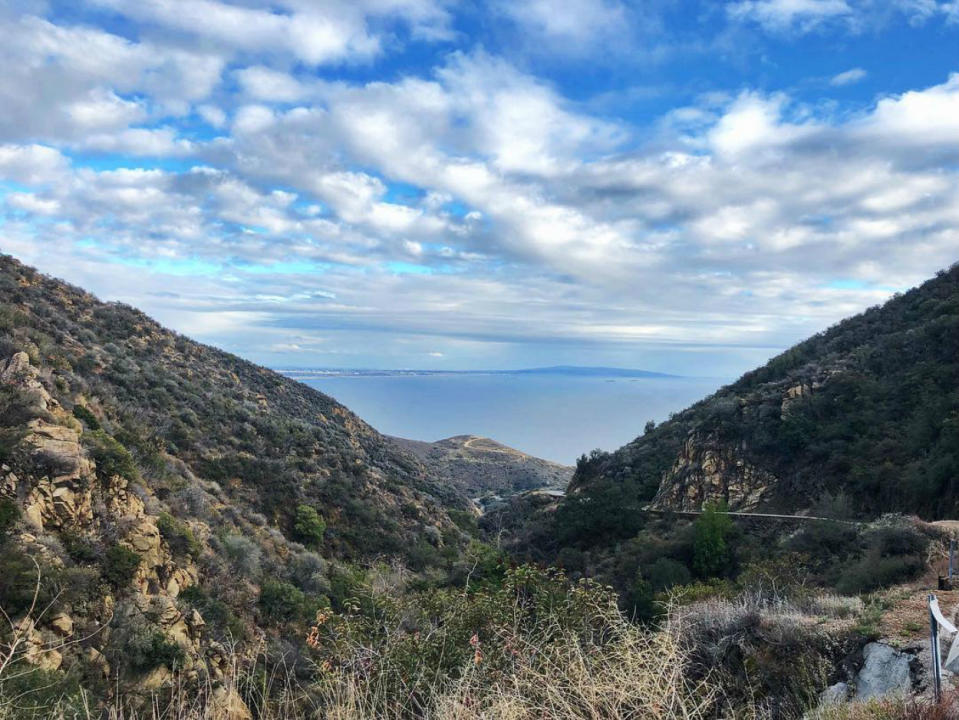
pixel 866 412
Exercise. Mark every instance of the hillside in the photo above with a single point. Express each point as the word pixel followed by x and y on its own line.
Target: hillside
pixel 180 494
pixel 477 465
pixel 864 414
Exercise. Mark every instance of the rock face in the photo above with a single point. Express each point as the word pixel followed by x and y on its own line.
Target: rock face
pixel 708 470
pixel 885 671
pixel 56 482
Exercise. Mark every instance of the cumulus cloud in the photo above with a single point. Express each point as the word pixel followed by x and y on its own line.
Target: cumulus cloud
pixel 315 34
pixel 242 191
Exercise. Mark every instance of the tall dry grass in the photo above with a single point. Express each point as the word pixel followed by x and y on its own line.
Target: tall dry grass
pixel 639 674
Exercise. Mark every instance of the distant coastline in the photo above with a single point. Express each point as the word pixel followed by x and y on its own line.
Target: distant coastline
pixel 567 370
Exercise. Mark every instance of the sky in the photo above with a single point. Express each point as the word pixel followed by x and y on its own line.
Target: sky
pixel 686 187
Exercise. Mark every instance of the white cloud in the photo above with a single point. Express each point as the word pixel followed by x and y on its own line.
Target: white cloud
pixel 334 31
pixel 31 164
pixel 32 203
pixel 924 117
pixel 213 115
pixel 262 83
pixel 804 16
pixel 473 200
pixel 580 22
pixel 781 15
pixel 849 77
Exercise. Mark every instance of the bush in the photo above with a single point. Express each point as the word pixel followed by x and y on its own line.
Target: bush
pixel 84 415
pixel 120 566
pixel 308 527
pixel 9 515
pixel 178 535
pixel 216 614
pixel 244 554
pixel 872 573
pixel 110 456
pixel 34 694
pixel 140 646
pixel 161 651
pixel 280 601
pixel 664 573
pixel 19 575
pixel 78 548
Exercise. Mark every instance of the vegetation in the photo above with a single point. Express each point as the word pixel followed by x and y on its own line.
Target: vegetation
pixel 119 566
pixel 309 527
pixel 712 555
pixel 287 553
pixel 877 420
pixel 178 535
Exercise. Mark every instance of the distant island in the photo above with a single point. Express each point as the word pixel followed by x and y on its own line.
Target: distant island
pixel 574 370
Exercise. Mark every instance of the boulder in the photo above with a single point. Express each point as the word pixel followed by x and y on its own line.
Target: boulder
pixel 885 671
pixel 62 624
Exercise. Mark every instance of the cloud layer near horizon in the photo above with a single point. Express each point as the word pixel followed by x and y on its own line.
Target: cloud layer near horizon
pixel 394 183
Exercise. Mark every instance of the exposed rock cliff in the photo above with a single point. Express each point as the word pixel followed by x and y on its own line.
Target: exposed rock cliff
pixel 709 470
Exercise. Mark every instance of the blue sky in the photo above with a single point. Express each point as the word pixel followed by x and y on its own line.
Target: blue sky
pixel 681 186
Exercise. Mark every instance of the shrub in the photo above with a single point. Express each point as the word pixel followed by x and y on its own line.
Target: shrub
pixel 35 694
pixel 216 614
pixel 139 646
pixel 83 414
pixel 110 456
pixel 308 572
pixel 664 573
pixel 120 566
pixel 9 515
pixel 872 572
pixel 161 651
pixel 78 548
pixel 19 575
pixel 244 554
pixel 178 535
pixel 308 527
pixel 280 601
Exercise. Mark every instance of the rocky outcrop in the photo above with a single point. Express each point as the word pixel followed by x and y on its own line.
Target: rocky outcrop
pixel 18 371
pixel 885 671
pixel 55 482
pixel 708 470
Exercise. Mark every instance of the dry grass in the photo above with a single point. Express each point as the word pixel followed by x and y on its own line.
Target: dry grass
pixel 897 708
pixel 640 674
pixel 711 659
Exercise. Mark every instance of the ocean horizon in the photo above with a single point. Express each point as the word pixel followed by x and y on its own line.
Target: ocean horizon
pixel 554 415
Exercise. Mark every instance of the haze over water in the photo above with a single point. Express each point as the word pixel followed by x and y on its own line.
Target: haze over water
pixel 556 417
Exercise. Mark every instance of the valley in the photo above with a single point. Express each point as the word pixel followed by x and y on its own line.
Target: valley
pixel 175 519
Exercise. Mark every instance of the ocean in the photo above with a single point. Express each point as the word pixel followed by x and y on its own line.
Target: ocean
pixel 556 417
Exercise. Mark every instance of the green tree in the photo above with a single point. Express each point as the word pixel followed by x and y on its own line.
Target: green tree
pixel 712 555
pixel 308 526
